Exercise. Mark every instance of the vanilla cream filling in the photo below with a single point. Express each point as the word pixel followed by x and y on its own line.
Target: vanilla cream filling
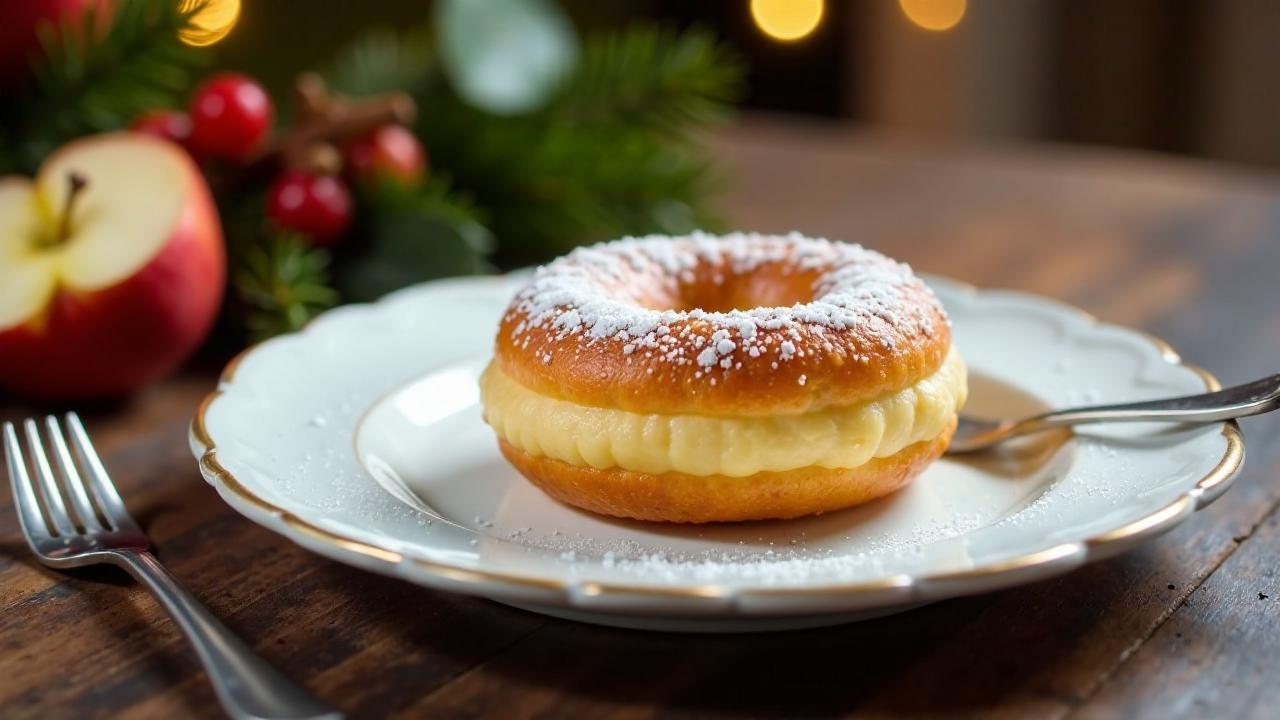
pixel 837 437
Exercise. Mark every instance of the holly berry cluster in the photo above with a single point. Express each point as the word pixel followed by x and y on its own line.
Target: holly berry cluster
pixel 334 144
pixel 329 200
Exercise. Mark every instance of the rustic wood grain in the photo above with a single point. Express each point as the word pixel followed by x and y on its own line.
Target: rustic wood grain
pixel 1176 628
pixel 1217 655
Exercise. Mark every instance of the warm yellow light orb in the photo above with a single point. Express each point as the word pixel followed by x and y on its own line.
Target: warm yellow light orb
pixel 212 22
pixel 787 19
pixel 936 15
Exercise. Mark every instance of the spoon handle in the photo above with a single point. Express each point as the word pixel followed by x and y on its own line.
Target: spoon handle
pixel 1253 398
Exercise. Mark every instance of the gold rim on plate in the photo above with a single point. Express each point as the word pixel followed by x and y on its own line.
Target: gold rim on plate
pixel 1205 491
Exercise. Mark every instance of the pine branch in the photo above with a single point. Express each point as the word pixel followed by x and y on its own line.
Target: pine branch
pixel 411 234
pixel 90 81
pixel 282 283
pixel 383 60
pixel 437 197
pixel 604 186
pixel 650 78
pixel 613 154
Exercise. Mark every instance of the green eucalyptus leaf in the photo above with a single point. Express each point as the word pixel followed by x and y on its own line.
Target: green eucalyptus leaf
pixel 505 57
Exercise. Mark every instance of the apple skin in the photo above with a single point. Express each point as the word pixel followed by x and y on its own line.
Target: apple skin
pixel 110 341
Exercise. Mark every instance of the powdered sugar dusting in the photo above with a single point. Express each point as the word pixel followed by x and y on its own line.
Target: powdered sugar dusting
pixel 599 293
pixel 779 556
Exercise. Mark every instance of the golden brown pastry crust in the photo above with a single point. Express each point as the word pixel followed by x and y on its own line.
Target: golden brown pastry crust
pixel 677 497
pixel 886 351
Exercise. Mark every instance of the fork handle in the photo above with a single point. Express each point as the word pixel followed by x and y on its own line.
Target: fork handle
pixel 245 684
pixel 1253 398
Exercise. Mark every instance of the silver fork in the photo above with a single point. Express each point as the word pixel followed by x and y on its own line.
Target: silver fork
pixel 96 528
pixel 1255 398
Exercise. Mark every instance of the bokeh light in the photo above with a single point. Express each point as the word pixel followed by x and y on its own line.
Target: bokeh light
pixel 212 22
pixel 936 15
pixel 787 19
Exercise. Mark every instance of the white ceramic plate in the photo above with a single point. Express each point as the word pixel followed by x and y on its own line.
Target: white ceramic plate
pixel 360 438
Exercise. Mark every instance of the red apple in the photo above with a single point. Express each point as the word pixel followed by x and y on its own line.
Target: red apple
pixel 19 30
pixel 106 289
pixel 391 152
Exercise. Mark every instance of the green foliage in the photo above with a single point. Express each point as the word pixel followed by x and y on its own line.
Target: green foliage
pixel 91 81
pixel 612 153
pixel 648 78
pixel 282 284
pixel 613 150
pixel 609 145
pixel 381 60
pixel 409 235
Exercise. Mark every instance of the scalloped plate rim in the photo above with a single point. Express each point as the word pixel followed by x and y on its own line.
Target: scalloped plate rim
pixel 699 600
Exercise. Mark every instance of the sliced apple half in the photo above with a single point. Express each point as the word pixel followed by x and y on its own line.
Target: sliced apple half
pixel 112 267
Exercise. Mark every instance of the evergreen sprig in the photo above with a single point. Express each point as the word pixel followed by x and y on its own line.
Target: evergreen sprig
pixel 282 284
pixel 383 60
pixel 411 234
pixel 613 150
pixel 610 154
pixel 651 78
pixel 96 74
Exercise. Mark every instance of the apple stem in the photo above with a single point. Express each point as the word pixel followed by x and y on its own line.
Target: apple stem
pixel 76 183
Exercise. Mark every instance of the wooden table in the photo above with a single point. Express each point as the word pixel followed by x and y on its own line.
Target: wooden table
pixel 1189 625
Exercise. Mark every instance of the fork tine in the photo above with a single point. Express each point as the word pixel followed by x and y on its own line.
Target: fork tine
pixel 71 477
pixel 24 496
pixel 99 482
pixel 47 482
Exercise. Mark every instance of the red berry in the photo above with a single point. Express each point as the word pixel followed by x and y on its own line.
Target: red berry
pixel 390 151
pixel 230 117
pixel 171 125
pixel 317 205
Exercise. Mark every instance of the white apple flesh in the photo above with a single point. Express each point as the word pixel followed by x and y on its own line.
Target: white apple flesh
pixel 103 295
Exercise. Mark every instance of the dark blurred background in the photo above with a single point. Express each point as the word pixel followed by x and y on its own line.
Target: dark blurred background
pixel 1190 77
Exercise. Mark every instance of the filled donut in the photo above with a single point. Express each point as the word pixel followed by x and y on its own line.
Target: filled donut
pixel 709 378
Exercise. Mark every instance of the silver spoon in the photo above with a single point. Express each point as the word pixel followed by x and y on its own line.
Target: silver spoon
pixel 1253 398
